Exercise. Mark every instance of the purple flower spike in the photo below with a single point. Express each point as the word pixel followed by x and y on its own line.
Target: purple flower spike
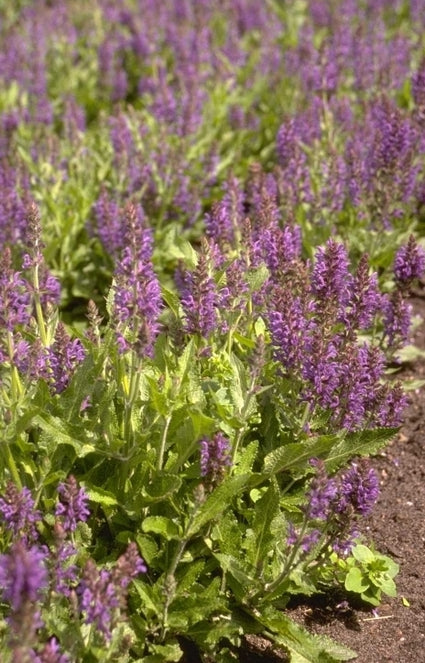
pixel 359 489
pixel 103 593
pixel 137 293
pixel 64 356
pixel 51 653
pixel 200 299
pixel 129 566
pixel 23 575
pixel 397 319
pixel 215 457
pixel 98 598
pixel 321 494
pixel 15 295
pixel 409 263
pixel 17 510
pixel 72 505
pixel 331 279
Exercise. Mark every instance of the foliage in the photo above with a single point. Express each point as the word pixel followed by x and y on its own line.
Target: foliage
pixel 209 235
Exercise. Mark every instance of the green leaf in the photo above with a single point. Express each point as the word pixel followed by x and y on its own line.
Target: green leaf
pixel 302 646
pixel 246 458
pixel 189 576
pixel 58 433
pixel 162 653
pixel 360 443
pixel 162 487
pixel 147 595
pixel 355 581
pixel 256 277
pixel 148 548
pixel 363 554
pixel 232 565
pixel 295 455
pixel 163 526
pixel 265 511
pixel 388 586
pixel 218 501
pixel 101 496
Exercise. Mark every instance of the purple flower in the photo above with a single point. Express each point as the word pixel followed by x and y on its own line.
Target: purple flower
pixel 215 457
pixel 128 566
pixel 223 223
pixel 199 299
pixel 98 598
pixel 51 653
pixel 331 280
pixel 64 572
pixel 17 510
pixel 109 224
pixel 103 593
pixel 409 263
pixel 288 326
pixel 359 489
pixel 364 299
pixel 397 319
pixel 63 357
pixel 137 293
pixel 31 359
pixel 73 504
pixel 322 370
pixel 15 297
pixel 23 575
pixel 321 494
pixel 309 540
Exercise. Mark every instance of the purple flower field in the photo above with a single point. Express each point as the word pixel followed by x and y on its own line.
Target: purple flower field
pixel 211 229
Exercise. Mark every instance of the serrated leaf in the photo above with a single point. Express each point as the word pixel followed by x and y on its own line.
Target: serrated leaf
pixel 257 277
pixel 148 548
pixel 55 429
pixel 189 576
pixel 335 649
pixel 295 455
pixel 360 443
pixel 246 458
pixel 410 353
pixel 303 647
pixel 146 594
pixel 218 501
pixel 163 653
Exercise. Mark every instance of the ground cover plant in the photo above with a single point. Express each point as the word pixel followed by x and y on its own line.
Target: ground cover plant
pixel 210 227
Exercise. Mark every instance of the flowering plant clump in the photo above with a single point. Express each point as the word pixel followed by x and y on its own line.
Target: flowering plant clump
pixel 210 231
pixel 38 577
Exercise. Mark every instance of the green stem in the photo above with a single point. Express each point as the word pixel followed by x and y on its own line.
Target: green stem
pixel 271 586
pixel 169 581
pixel 243 413
pixel 38 309
pixel 163 443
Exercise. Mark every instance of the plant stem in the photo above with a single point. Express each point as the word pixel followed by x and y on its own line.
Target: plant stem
pixel 163 443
